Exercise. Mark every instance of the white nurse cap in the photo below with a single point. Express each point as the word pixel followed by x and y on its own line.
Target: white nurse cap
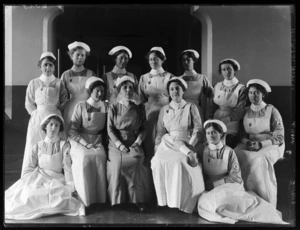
pixel 51 115
pixel 234 62
pixel 124 78
pixel 193 51
pixel 179 79
pixel 91 80
pixel 80 44
pixel 223 126
pixel 260 82
pixel 118 48
pixel 47 54
pixel 159 49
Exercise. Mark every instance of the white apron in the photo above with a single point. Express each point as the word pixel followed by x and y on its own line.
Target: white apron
pixel 257 167
pixel 89 165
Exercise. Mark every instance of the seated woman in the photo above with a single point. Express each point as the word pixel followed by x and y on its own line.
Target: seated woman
pixel 262 142
pixel 225 199
pixel 177 176
pixel 46 187
pixel 87 133
pixel 128 179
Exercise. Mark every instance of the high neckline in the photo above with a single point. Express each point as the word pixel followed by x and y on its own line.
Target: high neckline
pixel 157 71
pixel 190 73
pixel 215 147
pixel 77 69
pixel 46 79
pixel 96 104
pixel 117 70
pixel 259 107
pixel 231 82
pixel 178 105
pixel 125 101
pixel 53 140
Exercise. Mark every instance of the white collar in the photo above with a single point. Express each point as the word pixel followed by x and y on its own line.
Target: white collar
pixel 157 71
pixel 117 70
pixel 77 69
pixel 124 101
pixel 231 82
pixel 96 104
pixel 217 146
pixel 176 105
pixel 190 73
pixel 53 140
pixel 259 107
pixel 46 79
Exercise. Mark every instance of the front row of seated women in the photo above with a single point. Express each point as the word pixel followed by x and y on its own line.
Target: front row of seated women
pixel 189 173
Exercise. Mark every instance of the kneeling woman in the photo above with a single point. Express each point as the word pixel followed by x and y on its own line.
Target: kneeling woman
pixel 176 173
pixel 225 199
pixel 87 133
pixel 46 187
pixel 127 177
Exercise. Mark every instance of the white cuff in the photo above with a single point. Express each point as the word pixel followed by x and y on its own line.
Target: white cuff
pixel 118 143
pixel 138 141
pixel 266 143
pixel 184 149
pixel 218 183
pixel 71 185
pixel 193 140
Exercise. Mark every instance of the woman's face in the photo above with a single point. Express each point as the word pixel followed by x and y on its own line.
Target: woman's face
pixel 79 57
pixel 154 61
pixel 255 96
pixel 122 60
pixel 127 90
pixel 187 62
pixel 176 92
pixel 227 71
pixel 52 128
pixel 47 67
pixel 212 135
pixel 97 93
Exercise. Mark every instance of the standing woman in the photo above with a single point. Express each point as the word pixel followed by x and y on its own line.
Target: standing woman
pixel 153 93
pixel 74 79
pixel 176 173
pixel 44 95
pixel 128 178
pixel 262 137
pixel 87 133
pixel 121 56
pixel 229 100
pixel 200 89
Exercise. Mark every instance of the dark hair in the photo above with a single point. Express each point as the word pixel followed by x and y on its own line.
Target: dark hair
pixel 178 81
pixel 116 54
pixel 61 127
pixel 159 54
pixel 190 54
pixel 72 51
pixel 123 83
pixel 259 88
pixel 234 66
pixel 49 58
pixel 215 126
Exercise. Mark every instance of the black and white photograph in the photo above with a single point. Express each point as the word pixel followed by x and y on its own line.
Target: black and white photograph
pixel 149 115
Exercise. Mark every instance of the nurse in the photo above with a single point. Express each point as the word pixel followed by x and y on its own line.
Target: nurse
pixel 121 56
pixel 200 89
pixel 262 142
pixel 87 134
pixel 44 95
pixel 74 79
pixel 229 100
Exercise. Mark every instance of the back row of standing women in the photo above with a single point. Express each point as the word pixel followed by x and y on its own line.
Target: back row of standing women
pixel 141 110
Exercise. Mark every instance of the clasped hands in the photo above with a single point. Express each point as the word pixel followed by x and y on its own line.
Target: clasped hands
pixel 123 148
pixel 253 145
pixel 95 146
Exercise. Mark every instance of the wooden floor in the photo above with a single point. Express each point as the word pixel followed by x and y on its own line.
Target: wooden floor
pixel 103 214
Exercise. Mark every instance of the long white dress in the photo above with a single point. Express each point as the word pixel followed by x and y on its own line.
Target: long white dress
pixel 89 165
pixel 44 96
pixel 228 202
pixel 177 184
pixel 258 172
pixel 47 185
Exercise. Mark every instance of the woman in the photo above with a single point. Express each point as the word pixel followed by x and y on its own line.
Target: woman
pixel 127 177
pixel 47 186
pixel 225 199
pixel 153 93
pixel 229 100
pixel 262 142
pixel 177 176
pixel 74 79
pixel 200 89
pixel 44 95
pixel 121 56
pixel 87 133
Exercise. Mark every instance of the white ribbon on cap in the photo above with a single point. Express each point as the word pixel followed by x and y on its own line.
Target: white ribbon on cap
pixel 47 54
pixel 124 78
pixel 80 44
pixel 157 48
pixel 223 126
pixel 193 51
pixel 118 48
pixel 181 80
pixel 90 80
pixel 260 82
pixel 234 61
